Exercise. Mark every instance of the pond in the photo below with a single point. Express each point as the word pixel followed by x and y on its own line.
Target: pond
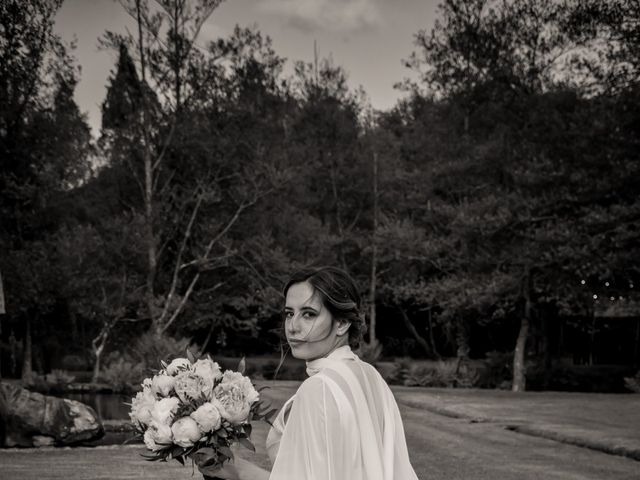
pixel 108 406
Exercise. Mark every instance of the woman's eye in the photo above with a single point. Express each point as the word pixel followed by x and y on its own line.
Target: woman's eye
pixel 308 315
pixel 288 315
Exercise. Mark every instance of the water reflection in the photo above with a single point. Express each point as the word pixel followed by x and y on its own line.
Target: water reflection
pixel 108 406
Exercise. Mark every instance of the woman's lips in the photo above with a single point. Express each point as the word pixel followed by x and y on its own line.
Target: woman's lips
pixel 296 342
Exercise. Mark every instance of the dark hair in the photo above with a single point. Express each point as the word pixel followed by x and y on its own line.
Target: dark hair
pixel 339 295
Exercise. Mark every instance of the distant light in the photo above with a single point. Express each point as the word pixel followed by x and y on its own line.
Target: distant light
pixel 621 297
pixel 584 281
pixel 612 298
pixel 606 284
pixel 631 285
pixel 595 297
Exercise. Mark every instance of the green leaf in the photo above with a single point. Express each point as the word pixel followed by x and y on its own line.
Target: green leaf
pixel 190 356
pixel 242 366
pixel 248 429
pixel 180 459
pixel 245 442
pixel 226 451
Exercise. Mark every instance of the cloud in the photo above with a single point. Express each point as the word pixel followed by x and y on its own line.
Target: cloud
pixel 331 15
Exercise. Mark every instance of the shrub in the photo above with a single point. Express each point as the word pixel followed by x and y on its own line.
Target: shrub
pixel 497 371
pixel 59 379
pixel 122 374
pixel 150 348
pixel 633 383
pixel 444 373
pixel 400 371
pixel 74 362
pixel 368 353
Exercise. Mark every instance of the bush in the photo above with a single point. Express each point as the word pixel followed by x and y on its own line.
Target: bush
pixel 59 379
pixel 150 349
pixel 445 373
pixel 74 362
pixel 497 371
pixel 633 383
pixel 123 375
pixel 368 353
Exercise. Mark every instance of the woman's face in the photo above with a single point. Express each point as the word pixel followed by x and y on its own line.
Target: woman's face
pixel 309 326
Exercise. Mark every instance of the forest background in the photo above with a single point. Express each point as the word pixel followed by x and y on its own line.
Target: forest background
pixel 491 214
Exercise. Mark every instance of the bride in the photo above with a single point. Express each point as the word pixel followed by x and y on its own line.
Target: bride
pixel 343 422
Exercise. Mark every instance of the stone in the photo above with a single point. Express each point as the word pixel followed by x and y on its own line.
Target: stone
pixel 27 418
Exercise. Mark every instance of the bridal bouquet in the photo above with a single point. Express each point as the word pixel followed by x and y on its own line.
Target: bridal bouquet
pixel 191 409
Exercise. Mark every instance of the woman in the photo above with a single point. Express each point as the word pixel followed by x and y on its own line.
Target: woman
pixel 343 422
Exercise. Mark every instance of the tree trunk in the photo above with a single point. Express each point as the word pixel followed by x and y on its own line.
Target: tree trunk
pixel 636 349
pixel 421 341
pixel 27 371
pixel 96 366
pixel 592 338
pixel 519 374
pixel 373 339
pixel 462 341
pixel 431 339
pixel 148 182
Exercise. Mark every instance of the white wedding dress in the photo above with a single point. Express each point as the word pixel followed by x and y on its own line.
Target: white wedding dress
pixel 342 424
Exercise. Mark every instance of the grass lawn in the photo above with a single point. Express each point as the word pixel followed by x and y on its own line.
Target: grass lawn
pixel 607 422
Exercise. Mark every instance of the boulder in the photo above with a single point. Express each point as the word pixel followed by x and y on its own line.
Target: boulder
pixel 30 419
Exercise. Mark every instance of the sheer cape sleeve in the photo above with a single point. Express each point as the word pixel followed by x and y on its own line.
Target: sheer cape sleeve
pixel 344 424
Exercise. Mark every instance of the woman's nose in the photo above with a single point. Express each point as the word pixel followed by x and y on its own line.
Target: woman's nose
pixel 290 324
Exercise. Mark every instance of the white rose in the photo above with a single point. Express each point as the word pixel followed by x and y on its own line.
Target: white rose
pixel 158 436
pixel 234 397
pixel 163 384
pixel 190 386
pixel 207 417
pixel 178 365
pixel 207 368
pixel 141 406
pixel 185 431
pixel 164 409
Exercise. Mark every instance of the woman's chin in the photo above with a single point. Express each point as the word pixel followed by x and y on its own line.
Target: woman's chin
pixel 299 352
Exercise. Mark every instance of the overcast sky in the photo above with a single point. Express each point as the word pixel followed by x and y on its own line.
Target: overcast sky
pixel 369 38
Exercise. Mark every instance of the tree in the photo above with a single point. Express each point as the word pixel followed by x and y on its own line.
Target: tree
pixel 44 144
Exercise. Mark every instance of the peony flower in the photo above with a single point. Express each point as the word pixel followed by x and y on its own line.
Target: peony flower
pixel 158 436
pixel 164 409
pixel 190 386
pixel 185 431
pixel 207 368
pixel 178 365
pixel 234 396
pixel 207 417
pixel 162 384
pixel 142 406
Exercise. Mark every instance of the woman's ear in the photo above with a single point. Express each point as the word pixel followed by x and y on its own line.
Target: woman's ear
pixel 343 327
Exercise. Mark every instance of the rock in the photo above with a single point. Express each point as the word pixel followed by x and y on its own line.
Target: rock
pixel 26 417
pixel 43 441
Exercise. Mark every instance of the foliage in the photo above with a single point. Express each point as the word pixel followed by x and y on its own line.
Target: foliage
pixel 633 383
pixel 444 373
pixel 121 373
pixel 370 354
pixel 149 349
